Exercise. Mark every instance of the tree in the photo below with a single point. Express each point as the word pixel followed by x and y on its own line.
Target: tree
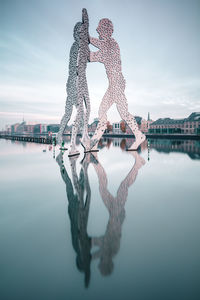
pixel 123 126
pixel 109 127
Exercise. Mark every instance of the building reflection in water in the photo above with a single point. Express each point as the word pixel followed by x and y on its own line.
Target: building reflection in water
pixel 79 197
pixel 190 147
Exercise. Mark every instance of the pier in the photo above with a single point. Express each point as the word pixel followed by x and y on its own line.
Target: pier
pixel 30 139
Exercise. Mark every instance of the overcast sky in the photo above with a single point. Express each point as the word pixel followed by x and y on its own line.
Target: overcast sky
pixel 160 49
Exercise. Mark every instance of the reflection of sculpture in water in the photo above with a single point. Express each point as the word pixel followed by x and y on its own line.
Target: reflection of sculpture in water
pixel 109 244
pixel 71 83
pixel 109 55
pixel 78 211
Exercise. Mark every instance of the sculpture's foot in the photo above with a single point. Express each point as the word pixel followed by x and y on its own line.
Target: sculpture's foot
pixel 139 139
pixel 94 149
pixel 63 148
pixel 85 139
pixel 85 142
pixel 93 145
pixel 73 153
pixel 90 146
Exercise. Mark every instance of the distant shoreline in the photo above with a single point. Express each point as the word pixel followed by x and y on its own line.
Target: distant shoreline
pixel 45 139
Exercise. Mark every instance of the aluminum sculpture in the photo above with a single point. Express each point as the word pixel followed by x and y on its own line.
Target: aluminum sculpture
pixel 83 107
pixel 71 87
pixel 77 89
pixel 109 55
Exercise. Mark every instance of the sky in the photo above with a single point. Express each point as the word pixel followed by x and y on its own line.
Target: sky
pixel 160 47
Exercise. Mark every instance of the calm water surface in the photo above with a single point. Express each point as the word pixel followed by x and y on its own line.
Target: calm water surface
pixel 112 225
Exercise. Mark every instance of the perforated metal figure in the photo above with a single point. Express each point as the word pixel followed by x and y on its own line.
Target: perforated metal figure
pixel 109 55
pixel 71 87
pixel 83 107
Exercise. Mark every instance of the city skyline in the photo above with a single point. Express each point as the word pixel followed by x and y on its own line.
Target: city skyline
pixel 185 126
pixel 159 45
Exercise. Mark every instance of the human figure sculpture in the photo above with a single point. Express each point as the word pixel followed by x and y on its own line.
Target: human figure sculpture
pixel 109 55
pixel 71 87
pixel 78 211
pixel 109 243
pixel 83 107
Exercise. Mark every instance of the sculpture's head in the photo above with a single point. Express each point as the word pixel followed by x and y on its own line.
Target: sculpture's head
pixel 105 29
pixel 77 29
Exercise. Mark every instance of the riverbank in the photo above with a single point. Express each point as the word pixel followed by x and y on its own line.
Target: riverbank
pixel 44 139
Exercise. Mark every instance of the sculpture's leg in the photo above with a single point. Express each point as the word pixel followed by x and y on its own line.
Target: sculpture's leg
pixel 104 106
pixel 64 121
pixel 73 151
pixel 122 108
pixel 85 137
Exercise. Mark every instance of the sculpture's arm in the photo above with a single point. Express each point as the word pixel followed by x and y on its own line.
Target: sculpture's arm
pixel 85 18
pixel 73 57
pixel 95 56
pixel 96 42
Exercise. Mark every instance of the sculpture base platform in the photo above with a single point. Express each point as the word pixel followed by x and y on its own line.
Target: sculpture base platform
pixel 132 149
pixel 73 154
pixel 87 151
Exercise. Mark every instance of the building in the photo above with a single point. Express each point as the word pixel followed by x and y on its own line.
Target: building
pixel 92 127
pixel 145 125
pixel 29 128
pixel 190 125
pixel 22 128
pixel 40 129
pixel 116 128
pixel 8 129
pixel 14 128
pixel 53 128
